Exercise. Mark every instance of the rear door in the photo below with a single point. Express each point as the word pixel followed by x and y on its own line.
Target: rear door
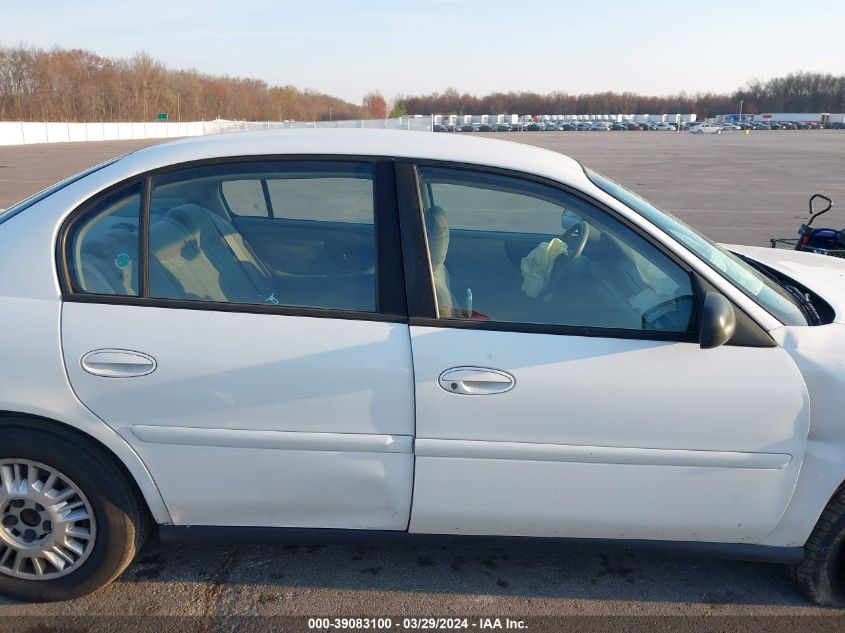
pixel 262 375
pixel 565 393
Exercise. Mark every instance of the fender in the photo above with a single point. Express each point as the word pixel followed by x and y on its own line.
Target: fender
pixel 33 378
pixel 818 352
pixel 101 434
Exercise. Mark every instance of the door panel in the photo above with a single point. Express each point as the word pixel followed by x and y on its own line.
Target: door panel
pixel 612 423
pixel 494 258
pixel 304 247
pixel 606 438
pixel 310 260
pixel 258 419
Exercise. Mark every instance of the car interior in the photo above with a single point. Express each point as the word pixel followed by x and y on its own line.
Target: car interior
pixel 481 228
pixel 202 249
pixel 306 238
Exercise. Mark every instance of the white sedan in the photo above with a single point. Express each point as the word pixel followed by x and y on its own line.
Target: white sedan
pixel 706 128
pixel 410 334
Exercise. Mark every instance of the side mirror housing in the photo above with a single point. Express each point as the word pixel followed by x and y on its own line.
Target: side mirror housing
pixel 718 321
pixel 568 219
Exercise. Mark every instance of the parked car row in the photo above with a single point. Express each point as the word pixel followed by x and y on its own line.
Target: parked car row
pixel 555 126
pixel 700 127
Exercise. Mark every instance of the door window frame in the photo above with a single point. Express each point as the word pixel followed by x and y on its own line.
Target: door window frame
pixel 422 305
pixel 391 300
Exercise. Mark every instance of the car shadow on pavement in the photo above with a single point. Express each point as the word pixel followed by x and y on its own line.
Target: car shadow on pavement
pixel 515 570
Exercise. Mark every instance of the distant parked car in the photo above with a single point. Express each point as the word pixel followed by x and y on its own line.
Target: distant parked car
pixel 618 127
pixel 665 127
pixel 706 128
pixel 533 126
pixel 439 127
pixel 483 127
pixel 551 126
pixel 464 127
pixel 502 127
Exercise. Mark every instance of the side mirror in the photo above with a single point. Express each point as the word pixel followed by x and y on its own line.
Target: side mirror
pixel 718 321
pixel 568 219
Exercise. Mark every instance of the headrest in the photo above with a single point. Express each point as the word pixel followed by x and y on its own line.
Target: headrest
pixel 437 231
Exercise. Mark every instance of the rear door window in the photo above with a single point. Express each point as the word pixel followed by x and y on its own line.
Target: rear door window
pixel 103 248
pixel 294 233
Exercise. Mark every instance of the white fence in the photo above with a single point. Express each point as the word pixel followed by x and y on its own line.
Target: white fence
pixel 25 133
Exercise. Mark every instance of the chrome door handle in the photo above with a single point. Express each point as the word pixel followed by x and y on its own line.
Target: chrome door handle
pixel 476 381
pixel 118 363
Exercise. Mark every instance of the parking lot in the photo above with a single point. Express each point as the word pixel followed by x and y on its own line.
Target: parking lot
pixel 733 187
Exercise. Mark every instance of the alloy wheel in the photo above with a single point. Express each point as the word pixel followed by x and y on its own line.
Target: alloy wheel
pixel 47 525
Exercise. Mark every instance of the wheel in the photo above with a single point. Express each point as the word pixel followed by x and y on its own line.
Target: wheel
pixel 70 522
pixel 821 575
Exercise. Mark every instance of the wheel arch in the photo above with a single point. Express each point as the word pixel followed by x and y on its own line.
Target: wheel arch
pixel 114 446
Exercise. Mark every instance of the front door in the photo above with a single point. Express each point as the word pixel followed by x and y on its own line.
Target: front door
pixel 561 391
pixel 250 356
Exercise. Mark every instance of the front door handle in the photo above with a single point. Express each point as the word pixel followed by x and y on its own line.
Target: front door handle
pixel 476 381
pixel 118 363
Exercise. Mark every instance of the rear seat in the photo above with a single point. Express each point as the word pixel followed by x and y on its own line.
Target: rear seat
pixel 109 263
pixel 196 254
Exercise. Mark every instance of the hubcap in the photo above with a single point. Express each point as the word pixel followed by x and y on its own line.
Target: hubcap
pixel 47 525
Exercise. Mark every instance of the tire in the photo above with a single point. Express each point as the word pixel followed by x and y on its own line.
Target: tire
pixel 116 531
pixel 821 575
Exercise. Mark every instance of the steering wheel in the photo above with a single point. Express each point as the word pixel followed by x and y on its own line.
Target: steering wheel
pixel 579 231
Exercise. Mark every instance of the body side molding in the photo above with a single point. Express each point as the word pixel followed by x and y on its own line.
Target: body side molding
pixel 469 449
pixel 278 440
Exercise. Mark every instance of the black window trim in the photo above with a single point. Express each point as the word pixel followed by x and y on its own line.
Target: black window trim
pixel 423 312
pixel 389 284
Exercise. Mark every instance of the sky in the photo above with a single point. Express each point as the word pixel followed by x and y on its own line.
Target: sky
pixel 478 46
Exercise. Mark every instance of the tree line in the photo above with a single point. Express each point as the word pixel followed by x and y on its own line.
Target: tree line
pixel 78 85
pixel 796 92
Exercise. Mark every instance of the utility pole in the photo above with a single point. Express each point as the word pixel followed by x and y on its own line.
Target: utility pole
pixel 740 109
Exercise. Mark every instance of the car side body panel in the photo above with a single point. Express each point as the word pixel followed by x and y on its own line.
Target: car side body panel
pixel 819 352
pixel 258 419
pixel 33 380
pixel 606 438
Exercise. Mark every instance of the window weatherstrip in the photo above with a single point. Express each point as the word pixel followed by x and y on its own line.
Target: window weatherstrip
pixel 144 238
pixel 267 202
pixel 390 278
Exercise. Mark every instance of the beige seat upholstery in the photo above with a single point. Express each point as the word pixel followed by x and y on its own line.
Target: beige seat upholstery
pixel 109 263
pixel 437 232
pixel 198 255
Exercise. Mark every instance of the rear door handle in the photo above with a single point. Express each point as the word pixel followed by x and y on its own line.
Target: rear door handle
pixel 118 363
pixel 476 381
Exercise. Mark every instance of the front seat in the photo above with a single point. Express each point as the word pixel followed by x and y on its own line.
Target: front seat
pixel 437 233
